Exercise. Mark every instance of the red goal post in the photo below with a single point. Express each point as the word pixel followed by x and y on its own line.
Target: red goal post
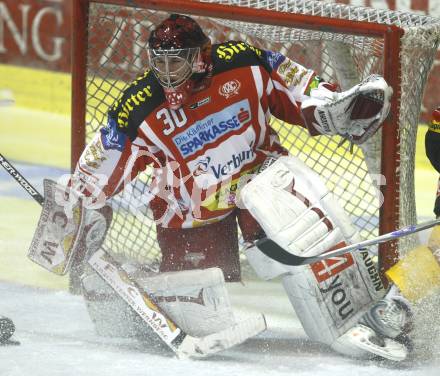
pixel 342 43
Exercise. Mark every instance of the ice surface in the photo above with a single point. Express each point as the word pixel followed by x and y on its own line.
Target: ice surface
pixel 58 338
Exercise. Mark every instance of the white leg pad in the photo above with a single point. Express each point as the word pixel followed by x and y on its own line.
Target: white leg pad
pixel 196 300
pixel 329 297
pixel 296 210
pixel 110 314
pixel 265 267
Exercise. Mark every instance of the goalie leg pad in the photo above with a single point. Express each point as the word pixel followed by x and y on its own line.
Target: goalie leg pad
pixel 324 319
pixel 110 314
pixel 297 211
pixel 330 296
pixel 265 267
pixel 317 316
pixel 196 300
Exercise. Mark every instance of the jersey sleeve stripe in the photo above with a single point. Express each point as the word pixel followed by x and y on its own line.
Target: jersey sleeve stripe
pixel 258 79
pixel 147 132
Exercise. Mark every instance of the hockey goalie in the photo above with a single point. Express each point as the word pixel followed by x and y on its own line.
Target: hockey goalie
pixel 340 301
pixel 200 116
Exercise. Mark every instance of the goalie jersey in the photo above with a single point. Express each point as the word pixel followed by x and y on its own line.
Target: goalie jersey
pixel 202 153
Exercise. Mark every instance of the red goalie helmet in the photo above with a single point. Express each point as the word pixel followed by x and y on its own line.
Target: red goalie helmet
pixel 178 54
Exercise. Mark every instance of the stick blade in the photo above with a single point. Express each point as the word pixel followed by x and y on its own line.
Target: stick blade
pixel 275 251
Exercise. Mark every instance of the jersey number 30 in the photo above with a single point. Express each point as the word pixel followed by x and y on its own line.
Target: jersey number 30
pixel 171 119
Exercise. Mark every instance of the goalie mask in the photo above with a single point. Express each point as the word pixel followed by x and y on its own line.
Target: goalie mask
pixel 179 56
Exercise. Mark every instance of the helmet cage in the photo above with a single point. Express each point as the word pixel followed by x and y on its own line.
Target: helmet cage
pixel 173 67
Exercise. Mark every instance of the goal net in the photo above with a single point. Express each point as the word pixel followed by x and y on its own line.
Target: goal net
pixel 374 182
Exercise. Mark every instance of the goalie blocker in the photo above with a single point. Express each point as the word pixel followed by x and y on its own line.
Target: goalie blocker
pixel 66 231
pixel 330 297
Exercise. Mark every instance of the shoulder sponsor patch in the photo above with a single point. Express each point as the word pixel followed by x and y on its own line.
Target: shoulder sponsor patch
pixel 111 137
pixel 227 51
pixel 274 59
pixel 291 72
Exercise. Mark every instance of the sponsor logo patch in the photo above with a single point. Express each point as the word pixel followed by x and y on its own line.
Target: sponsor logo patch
pixel 291 73
pixel 202 166
pixel 339 300
pixel 94 154
pixel 325 269
pixel 125 105
pixel 229 50
pixel 274 59
pixel 182 298
pixel 200 103
pixel 212 127
pixel 229 88
pixel 194 258
pixel 220 170
pixel 226 196
pixel 324 121
pixel 372 271
pixel 111 138
pixel 342 288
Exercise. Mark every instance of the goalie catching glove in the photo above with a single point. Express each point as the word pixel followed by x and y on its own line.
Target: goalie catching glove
pixel 355 114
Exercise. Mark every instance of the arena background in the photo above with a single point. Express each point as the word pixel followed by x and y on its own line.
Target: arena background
pixel 35 119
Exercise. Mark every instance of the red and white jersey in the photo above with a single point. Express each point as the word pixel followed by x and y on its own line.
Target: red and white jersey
pixel 204 152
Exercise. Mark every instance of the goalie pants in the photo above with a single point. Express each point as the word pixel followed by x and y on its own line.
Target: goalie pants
pixel 208 246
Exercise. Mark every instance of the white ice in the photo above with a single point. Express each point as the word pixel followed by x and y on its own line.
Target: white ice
pixel 58 338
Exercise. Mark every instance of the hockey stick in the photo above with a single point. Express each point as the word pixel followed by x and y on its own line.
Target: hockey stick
pixel 47 257
pixel 278 253
pixel 144 304
pixel 21 180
